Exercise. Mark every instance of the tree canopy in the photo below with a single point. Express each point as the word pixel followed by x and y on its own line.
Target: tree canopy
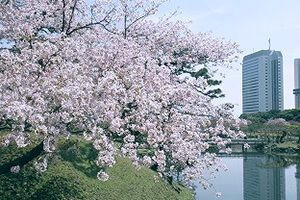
pixel 107 72
pixel 288 115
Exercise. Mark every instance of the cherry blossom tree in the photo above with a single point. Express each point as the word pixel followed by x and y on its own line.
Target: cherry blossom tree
pixel 278 127
pixel 105 70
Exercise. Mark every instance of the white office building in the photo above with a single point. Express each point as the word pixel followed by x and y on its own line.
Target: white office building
pixel 262 81
pixel 297 82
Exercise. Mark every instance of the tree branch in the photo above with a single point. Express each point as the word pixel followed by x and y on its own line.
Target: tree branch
pixel 72 15
pixel 23 160
pixel 142 17
pixel 89 25
pixel 63 17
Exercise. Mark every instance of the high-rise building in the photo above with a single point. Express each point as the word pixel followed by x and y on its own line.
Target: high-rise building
pixel 297 82
pixel 262 81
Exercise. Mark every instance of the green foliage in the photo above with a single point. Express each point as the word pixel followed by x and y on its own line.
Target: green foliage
pixel 254 127
pixel 71 175
pixel 258 119
pixel 205 74
pixel 261 117
pixel 258 126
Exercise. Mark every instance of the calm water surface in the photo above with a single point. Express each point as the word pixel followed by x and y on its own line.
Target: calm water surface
pixel 256 177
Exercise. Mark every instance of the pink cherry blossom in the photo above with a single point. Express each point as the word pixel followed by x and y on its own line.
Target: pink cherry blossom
pixel 109 71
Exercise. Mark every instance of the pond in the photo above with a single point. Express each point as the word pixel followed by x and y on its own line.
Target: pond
pixel 254 177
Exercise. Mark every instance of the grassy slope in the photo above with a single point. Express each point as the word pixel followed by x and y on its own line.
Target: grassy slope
pixel 71 175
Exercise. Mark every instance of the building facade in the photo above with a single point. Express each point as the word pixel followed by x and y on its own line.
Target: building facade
pixel 262 81
pixel 297 82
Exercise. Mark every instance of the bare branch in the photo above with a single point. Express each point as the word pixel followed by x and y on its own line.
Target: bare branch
pixel 63 17
pixel 89 25
pixel 125 28
pixel 72 15
pixel 143 16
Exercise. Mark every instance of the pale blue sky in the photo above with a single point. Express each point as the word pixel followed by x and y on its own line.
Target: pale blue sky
pixel 250 24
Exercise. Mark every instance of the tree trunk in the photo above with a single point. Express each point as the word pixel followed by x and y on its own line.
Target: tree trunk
pixel 23 160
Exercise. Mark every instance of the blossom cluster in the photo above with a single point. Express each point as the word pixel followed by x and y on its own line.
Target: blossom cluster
pixel 108 70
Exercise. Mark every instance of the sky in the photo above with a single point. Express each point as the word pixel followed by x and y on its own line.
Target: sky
pixel 250 24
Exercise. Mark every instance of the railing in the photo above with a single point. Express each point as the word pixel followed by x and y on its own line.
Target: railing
pixel 244 141
pixel 238 148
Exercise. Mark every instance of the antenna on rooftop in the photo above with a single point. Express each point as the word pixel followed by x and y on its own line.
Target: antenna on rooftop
pixel 269 44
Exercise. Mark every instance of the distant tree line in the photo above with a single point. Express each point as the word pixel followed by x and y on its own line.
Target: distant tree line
pixel 262 117
pixel 274 125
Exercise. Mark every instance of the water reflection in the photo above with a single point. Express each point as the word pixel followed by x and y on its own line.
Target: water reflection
pixel 297 175
pixel 255 177
pixel 262 182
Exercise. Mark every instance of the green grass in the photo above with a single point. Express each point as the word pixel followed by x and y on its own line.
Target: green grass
pixel 71 174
